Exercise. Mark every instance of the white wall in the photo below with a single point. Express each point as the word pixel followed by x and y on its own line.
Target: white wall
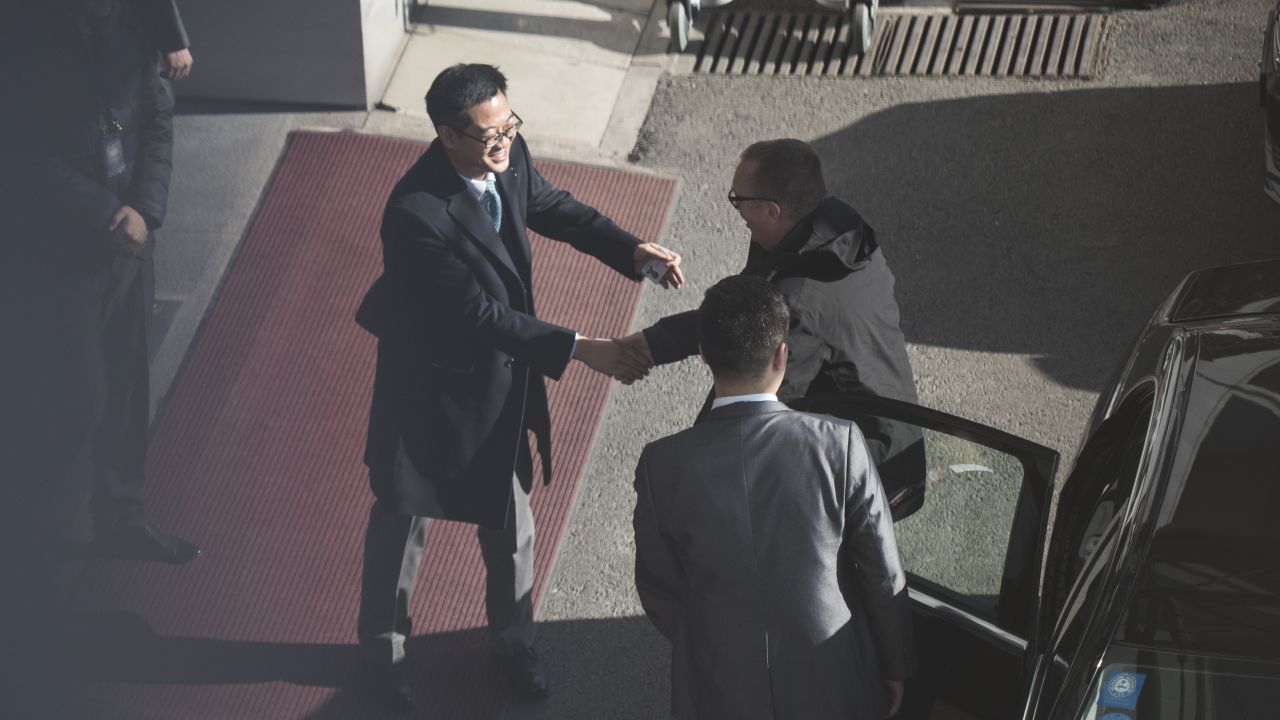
pixel 383 24
pixel 326 52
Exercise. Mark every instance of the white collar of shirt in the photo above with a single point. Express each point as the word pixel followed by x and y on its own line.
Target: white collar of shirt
pixel 477 187
pixel 754 397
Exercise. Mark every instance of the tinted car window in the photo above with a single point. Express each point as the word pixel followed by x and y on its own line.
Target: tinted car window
pixel 1093 498
pixel 1084 543
pixel 1210 582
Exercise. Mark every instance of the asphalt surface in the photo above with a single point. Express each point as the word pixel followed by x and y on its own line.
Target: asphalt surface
pixel 1033 227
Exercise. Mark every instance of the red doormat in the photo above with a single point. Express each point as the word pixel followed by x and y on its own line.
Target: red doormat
pixel 257 457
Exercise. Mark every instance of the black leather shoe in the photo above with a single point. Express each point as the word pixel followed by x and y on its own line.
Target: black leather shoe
pixel 525 672
pixel 140 540
pixel 393 687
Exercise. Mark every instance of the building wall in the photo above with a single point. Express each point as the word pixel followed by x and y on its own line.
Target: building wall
pixel 323 52
pixel 383 24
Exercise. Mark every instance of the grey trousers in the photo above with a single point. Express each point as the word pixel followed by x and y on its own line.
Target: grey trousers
pixel 393 547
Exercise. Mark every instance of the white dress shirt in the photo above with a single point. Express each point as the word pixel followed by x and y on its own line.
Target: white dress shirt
pixel 754 397
pixel 477 187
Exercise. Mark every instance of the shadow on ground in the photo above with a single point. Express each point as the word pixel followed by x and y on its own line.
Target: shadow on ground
pixel 1053 223
pixel 615 668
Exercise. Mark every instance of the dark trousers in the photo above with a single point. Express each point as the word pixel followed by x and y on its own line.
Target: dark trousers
pixel 393 548
pixel 116 376
pixel 74 407
pixel 78 386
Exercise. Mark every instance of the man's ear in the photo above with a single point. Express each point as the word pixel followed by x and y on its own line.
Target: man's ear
pixel 780 357
pixel 447 135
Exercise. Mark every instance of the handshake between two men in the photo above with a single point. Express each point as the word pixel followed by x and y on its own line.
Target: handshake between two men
pixel 628 359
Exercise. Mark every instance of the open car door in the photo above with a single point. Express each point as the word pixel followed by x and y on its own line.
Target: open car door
pixel 971 505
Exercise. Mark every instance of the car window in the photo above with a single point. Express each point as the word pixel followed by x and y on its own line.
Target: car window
pixel 959 536
pixel 1093 497
pixel 1084 597
pixel 1086 537
pixel 969 503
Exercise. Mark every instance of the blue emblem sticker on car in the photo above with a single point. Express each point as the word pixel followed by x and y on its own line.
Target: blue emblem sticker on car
pixel 1121 690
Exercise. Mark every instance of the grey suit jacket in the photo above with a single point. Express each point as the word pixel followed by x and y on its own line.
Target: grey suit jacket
pixel 747 527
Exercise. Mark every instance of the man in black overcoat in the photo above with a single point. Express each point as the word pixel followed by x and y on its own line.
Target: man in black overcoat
pixel 461 361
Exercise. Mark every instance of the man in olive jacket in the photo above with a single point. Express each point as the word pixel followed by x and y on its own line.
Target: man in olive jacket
pixel 461 361
pixel 765 550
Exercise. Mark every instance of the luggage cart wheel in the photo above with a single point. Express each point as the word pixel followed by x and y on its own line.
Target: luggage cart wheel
pixel 860 26
pixel 678 22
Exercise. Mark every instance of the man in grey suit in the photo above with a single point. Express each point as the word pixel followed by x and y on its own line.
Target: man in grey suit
pixel 764 546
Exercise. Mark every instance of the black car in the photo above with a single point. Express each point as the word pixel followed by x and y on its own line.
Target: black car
pixel 1159 593
pixel 1269 85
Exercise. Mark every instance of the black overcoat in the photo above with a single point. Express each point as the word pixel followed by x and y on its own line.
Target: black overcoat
pixel 461 352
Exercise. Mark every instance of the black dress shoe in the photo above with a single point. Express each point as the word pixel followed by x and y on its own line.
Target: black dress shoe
pixel 140 540
pixel 525 672
pixel 393 687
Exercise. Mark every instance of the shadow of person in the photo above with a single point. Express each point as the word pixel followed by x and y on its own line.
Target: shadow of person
pixel 614 668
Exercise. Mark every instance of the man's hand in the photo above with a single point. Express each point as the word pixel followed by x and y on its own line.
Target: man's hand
pixel 129 230
pixel 896 690
pixel 637 348
pixel 610 358
pixel 177 64
pixel 645 252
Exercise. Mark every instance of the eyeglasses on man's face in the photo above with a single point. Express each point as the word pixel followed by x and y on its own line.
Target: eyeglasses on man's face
pixel 507 133
pixel 736 200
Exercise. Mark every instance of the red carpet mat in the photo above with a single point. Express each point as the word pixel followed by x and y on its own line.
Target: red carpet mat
pixel 257 457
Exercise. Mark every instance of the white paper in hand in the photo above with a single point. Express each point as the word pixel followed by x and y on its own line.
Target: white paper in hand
pixel 655 270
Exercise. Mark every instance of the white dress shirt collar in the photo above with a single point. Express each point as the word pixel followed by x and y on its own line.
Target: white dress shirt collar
pixel 477 187
pixel 754 397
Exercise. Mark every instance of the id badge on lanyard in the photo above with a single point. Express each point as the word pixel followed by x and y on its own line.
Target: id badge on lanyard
pixel 112 142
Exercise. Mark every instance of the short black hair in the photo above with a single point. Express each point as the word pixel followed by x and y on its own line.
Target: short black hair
pixel 789 172
pixel 742 321
pixel 459 88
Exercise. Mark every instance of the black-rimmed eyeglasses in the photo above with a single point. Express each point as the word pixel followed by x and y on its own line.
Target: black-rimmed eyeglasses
pixel 508 133
pixel 736 200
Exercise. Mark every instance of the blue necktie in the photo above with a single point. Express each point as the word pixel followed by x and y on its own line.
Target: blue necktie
pixel 492 203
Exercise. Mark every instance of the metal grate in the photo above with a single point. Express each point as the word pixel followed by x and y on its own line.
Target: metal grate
pixel 931 44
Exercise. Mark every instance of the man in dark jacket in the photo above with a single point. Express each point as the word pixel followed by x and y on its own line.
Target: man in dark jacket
pixel 844 334
pixel 461 360
pixel 87 159
pixel 93 150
